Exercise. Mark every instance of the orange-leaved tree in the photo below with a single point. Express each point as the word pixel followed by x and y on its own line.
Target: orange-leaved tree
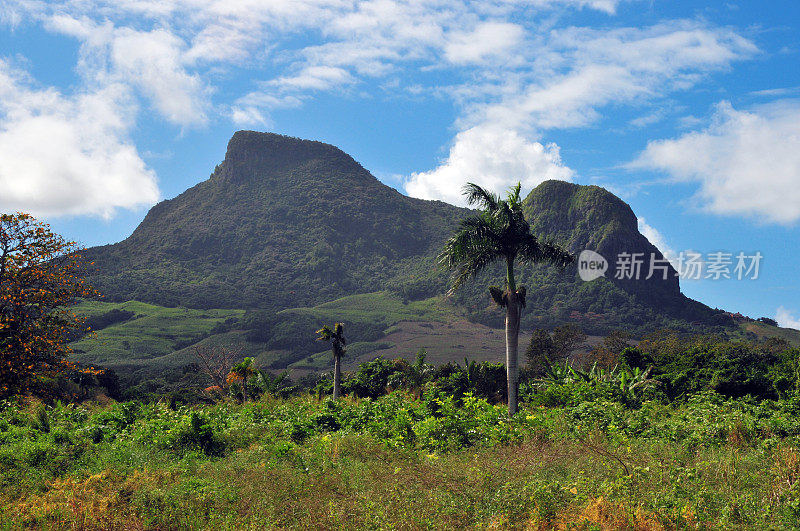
pixel 241 372
pixel 40 277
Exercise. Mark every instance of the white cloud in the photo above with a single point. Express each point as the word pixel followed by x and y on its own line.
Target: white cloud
pixel 489 40
pixel 583 71
pixel 152 61
pixel 315 78
pixel 253 109
pixel 492 158
pixel 607 6
pixel 648 119
pixel 249 116
pixel 786 319
pixel 68 155
pixel 746 162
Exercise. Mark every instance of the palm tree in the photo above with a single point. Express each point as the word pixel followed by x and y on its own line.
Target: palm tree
pixel 499 232
pixel 338 342
pixel 242 371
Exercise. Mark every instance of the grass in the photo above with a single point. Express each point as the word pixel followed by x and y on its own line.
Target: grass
pixel 381 308
pixel 766 331
pixel 153 332
pixel 300 463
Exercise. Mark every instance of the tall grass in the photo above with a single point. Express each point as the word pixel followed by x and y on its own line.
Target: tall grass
pixel 401 463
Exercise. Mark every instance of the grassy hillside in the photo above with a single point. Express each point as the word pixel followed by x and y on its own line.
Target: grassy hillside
pixel 155 341
pixel 763 331
pixel 151 332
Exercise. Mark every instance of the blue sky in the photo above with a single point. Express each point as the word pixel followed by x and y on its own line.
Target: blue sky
pixel 688 110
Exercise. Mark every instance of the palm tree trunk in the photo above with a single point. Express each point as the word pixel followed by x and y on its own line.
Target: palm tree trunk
pixel 513 311
pixel 337 375
pixel 512 343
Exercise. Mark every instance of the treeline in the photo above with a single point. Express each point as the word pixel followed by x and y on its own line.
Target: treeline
pixel 561 368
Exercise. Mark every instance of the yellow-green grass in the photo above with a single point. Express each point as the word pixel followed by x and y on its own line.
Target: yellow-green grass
pixel 552 479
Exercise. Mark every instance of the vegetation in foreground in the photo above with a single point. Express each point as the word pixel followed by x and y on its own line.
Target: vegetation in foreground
pixel 675 433
pixel 586 451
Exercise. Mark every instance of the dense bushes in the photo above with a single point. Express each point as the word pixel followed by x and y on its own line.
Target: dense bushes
pixel 573 439
pixel 688 365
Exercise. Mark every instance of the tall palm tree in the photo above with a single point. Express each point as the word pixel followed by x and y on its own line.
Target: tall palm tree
pixel 499 232
pixel 338 342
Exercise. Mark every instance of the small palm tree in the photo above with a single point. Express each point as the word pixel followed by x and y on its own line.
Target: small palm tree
pixel 338 342
pixel 499 232
pixel 241 372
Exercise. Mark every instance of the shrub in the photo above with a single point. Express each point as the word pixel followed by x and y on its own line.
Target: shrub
pixel 196 433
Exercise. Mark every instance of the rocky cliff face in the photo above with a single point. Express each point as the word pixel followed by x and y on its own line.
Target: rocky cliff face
pixel 590 217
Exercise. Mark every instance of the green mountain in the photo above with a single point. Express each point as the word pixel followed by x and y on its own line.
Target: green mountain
pixel 288 234
pixel 281 223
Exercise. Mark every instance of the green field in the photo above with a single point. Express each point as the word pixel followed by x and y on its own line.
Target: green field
pixel 156 338
pixel 153 332
pixel 401 463
pixel 162 337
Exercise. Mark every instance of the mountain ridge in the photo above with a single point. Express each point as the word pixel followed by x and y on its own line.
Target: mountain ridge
pixel 272 205
pixel 284 222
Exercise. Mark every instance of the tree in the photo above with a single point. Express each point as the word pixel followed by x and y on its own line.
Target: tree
pixel 499 232
pixel 540 351
pixel 40 277
pixel 241 372
pixel 216 362
pixel 607 354
pixel 338 342
pixel 566 339
pixel 545 348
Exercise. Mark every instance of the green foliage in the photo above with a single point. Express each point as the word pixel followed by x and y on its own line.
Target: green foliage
pixel 687 365
pixel 501 233
pixel 196 433
pixel 371 379
pixel 461 461
pixel 624 385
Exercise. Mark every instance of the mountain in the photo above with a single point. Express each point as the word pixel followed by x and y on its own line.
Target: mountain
pixel 287 234
pixel 281 223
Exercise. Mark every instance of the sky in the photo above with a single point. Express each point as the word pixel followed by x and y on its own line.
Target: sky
pixel 687 110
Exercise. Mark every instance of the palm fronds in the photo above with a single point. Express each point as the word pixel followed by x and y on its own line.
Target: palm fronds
pixel 499 232
pixel 335 335
pixel 482 198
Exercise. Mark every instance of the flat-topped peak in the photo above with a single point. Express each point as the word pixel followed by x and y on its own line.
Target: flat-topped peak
pixel 253 153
